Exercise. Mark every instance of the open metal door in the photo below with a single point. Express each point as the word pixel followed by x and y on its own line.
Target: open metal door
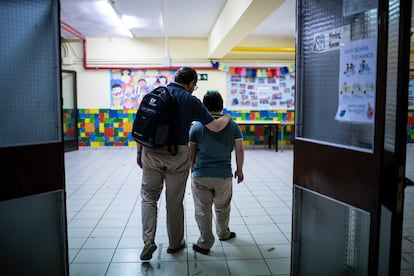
pixel 33 235
pixel 349 158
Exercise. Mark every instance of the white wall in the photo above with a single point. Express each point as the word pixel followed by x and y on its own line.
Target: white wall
pixel 94 84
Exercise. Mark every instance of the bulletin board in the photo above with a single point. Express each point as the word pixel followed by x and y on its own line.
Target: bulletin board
pixel 261 93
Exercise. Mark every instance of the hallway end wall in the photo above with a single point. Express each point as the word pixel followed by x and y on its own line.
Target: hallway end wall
pixel 107 127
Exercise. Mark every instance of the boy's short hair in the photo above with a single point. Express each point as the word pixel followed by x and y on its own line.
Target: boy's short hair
pixel 213 101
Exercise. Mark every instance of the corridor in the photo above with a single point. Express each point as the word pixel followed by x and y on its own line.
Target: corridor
pixel 104 219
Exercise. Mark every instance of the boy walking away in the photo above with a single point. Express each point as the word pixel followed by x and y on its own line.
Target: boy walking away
pixel 159 165
pixel 210 155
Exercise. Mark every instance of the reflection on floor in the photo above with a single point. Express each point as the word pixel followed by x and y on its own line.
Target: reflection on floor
pixel 104 225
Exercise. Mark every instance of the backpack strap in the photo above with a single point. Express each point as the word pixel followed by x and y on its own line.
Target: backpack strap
pixel 172 145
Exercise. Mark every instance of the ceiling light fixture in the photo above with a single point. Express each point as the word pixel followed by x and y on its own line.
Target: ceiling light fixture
pixel 108 10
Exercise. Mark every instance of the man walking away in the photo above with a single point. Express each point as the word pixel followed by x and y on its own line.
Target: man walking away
pixel 159 165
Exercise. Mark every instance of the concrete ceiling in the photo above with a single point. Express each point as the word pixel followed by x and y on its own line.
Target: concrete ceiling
pixel 225 23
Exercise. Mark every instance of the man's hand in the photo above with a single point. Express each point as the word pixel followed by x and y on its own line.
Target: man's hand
pixel 139 155
pixel 239 175
pixel 139 160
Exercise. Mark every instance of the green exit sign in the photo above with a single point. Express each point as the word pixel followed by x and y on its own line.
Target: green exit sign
pixel 202 77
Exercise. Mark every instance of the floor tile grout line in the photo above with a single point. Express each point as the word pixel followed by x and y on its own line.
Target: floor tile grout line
pixel 262 182
pixel 80 186
pixel 98 223
pixel 255 242
pixel 290 207
pixel 92 196
pixel 123 231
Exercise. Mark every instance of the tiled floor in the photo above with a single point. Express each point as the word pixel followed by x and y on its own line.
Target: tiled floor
pixel 104 225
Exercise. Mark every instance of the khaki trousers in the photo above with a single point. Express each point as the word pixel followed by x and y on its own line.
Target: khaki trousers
pixel 206 192
pixel 159 166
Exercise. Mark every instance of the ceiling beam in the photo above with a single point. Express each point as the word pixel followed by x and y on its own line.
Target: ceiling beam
pixel 235 22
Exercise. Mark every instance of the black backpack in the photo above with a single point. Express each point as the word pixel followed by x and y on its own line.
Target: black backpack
pixel 154 118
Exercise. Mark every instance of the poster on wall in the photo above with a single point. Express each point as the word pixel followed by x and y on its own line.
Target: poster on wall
pixel 411 90
pixel 261 93
pixel 357 81
pixel 129 86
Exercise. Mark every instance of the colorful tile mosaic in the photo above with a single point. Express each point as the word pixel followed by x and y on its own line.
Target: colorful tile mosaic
pixel 105 127
pixel 275 115
pixel 109 127
pixel 69 128
pixel 258 135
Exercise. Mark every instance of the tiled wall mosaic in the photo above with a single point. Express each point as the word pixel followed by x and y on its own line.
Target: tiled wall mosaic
pixel 69 129
pixel 259 135
pixel 108 127
pixel 275 115
pixel 105 127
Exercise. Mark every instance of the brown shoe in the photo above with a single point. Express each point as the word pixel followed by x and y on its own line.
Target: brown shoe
pixel 232 235
pixel 148 250
pixel 201 250
pixel 175 250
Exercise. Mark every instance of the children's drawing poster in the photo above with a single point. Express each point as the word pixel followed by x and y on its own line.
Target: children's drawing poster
pixel 357 81
pixel 129 86
pixel 261 93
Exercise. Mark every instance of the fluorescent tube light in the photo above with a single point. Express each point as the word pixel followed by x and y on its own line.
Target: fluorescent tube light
pixel 107 10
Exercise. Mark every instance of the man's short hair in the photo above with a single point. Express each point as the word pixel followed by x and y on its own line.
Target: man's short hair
pixel 213 101
pixel 185 75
